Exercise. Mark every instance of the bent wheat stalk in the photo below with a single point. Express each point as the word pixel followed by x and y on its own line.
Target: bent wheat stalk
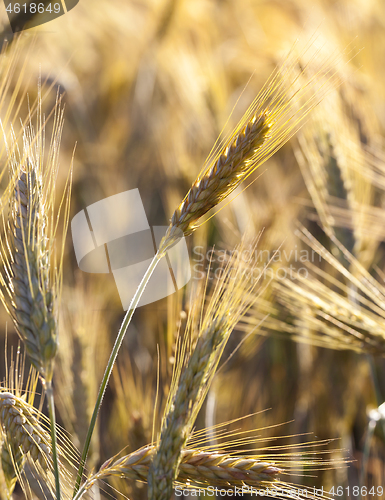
pixel 208 467
pixel 197 466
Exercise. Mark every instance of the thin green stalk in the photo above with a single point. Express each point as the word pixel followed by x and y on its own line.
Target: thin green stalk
pixel 111 362
pixel 52 418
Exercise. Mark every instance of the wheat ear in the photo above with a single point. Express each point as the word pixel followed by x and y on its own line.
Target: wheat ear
pixel 197 466
pixel 322 300
pixel 22 429
pixel 26 437
pixel 273 118
pixel 12 463
pixel 33 298
pixel 194 373
pixel 232 166
pixel 13 457
pixel 177 426
pixel 31 277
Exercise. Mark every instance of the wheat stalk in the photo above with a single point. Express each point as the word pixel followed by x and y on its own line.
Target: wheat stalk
pixel 194 371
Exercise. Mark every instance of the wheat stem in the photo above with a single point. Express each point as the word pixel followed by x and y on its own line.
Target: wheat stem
pixel 114 353
pixel 52 419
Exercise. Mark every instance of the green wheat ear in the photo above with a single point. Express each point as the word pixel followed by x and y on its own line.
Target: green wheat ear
pixel 31 276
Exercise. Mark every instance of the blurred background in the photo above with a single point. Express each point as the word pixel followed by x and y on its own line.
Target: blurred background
pixel 148 86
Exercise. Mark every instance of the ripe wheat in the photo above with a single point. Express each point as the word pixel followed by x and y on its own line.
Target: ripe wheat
pixel 22 429
pixel 194 372
pixel 272 119
pixel 30 276
pixel 197 466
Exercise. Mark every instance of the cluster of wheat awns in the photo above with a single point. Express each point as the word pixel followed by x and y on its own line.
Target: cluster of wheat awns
pixel 31 284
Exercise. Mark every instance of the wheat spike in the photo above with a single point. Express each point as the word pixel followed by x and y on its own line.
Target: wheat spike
pixel 30 275
pixel 177 426
pixel 229 170
pixel 273 118
pixel 197 466
pixel 32 301
pixel 26 439
pixel 205 468
pixel 13 457
pixel 12 462
pixel 25 435
pixel 193 375
pixel 320 300
pixel 22 429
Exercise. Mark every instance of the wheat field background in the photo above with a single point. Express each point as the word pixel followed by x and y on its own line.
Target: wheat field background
pixel 148 86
